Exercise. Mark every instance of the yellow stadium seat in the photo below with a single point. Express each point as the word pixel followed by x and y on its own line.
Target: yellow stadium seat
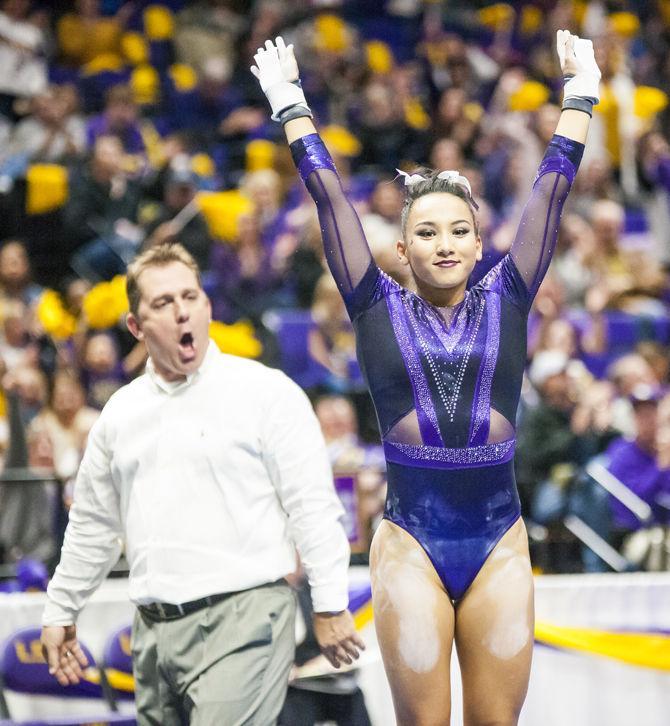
pixel 222 211
pixel 47 188
pixel 135 48
pixel 158 22
pixel 528 97
pixel 260 154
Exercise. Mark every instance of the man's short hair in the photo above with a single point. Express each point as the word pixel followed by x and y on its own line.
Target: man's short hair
pixel 157 256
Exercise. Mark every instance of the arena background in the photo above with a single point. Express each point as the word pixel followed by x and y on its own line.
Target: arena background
pixel 126 124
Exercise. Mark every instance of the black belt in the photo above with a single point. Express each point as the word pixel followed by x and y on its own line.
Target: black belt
pixel 168 611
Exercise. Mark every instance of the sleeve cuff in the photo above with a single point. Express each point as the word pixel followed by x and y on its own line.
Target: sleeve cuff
pixel 330 598
pixel 55 614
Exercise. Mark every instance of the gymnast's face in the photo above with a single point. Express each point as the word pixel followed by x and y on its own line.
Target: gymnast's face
pixel 173 319
pixel 441 246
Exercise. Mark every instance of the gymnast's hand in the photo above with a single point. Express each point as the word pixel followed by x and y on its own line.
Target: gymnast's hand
pixel 63 653
pixel 337 637
pixel 578 65
pixel 277 72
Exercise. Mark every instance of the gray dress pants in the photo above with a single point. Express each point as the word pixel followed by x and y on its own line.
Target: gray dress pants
pixel 224 665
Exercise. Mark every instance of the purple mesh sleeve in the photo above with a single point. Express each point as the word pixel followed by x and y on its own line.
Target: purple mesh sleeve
pixel 344 242
pixel 536 237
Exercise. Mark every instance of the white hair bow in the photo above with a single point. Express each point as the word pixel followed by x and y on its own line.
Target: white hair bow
pixel 449 175
pixel 410 179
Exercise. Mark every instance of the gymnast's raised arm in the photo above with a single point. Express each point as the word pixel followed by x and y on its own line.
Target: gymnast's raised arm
pixel 538 229
pixel 346 248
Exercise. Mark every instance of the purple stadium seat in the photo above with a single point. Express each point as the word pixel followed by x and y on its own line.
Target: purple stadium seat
pixel 118 663
pixel 292 330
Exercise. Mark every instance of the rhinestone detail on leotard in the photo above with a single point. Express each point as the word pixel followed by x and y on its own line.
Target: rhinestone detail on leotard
pixel 449 399
pixel 465 456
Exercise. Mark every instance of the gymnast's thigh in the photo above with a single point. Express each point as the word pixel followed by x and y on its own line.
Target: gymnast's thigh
pixel 414 620
pixel 494 633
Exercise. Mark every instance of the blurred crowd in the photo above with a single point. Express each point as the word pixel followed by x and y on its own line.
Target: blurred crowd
pixel 127 124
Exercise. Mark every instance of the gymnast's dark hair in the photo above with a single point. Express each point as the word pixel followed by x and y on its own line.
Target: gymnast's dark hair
pixel 432 184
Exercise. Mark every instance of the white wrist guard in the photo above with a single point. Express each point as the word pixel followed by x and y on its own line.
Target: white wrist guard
pixel 283 95
pixel 583 85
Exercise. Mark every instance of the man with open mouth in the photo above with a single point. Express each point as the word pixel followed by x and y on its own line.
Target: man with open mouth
pixel 212 471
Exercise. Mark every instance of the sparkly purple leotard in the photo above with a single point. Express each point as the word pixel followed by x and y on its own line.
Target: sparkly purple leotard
pixel 445 384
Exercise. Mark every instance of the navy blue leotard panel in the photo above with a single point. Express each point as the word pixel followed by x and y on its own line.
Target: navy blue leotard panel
pixel 445 389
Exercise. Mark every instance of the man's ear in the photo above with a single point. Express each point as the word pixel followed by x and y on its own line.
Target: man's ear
pixel 134 327
pixel 401 249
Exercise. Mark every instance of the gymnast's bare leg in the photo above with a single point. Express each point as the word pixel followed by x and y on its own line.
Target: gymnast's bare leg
pixel 417 625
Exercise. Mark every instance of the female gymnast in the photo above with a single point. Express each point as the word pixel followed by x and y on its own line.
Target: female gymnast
pixel 449 562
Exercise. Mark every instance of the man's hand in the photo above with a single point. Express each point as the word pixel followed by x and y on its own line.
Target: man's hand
pixel 337 637
pixel 63 653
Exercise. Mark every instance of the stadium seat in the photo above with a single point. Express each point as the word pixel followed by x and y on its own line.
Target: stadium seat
pixel 118 664
pixel 291 328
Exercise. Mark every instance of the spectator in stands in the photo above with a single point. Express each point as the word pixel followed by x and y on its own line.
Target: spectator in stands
pixel 119 118
pixel 331 343
pixel 24 69
pixel 597 183
pixel 558 334
pixel 305 264
pixel 100 215
pixel 557 435
pixel 87 34
pixel 446 153
pixel 641 464
pixel 102 370
pixel 216 110
pixel 351 456
pixel 657 356
pixel 247 281
pixel 627 373
pixel 635 462
pixel 383 131
pixel 453 120
pixel 67 421
pixel 27 521
pixel 49 134
pixel 339 425
pixel 17 349
pixel 627 280
pixel 172 146
pixel 30 386
pixel 179 217
pixel 15 276
pixel 263 188
pixel 381 227
pixel 207 29
pixel 654 161
pixel 574 264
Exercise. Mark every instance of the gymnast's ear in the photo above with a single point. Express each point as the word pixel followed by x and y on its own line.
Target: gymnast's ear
pixel 401 249
pixel 480 248
pixel 133 325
